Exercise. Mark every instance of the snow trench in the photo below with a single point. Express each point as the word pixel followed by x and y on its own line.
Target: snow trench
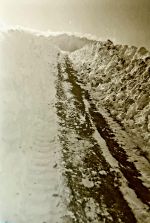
pixel 117 78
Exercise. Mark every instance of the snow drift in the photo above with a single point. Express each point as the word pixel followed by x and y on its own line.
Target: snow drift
pixel 118 77
pixel 28 128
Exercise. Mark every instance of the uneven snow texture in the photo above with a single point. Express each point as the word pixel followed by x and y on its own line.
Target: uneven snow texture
pixel 118 77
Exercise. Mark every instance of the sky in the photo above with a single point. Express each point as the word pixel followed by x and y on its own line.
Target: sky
pixel 125 21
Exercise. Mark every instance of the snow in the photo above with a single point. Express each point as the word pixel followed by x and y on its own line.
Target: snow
pixel 139 209
pixel 32 186
pixel 64 41
pixel 118 78
pixel 87 183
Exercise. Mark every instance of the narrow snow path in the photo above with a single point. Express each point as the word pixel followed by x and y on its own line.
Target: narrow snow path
pixel 30 161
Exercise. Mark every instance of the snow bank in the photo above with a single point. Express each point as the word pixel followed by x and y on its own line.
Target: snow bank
pixel 118 77
pixel 28 131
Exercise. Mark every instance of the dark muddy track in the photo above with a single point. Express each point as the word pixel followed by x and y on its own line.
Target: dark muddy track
pixel 83 158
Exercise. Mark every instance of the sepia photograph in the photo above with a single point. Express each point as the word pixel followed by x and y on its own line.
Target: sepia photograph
pixel 75 111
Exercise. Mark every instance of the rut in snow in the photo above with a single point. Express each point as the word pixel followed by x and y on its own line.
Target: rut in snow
pixel 95 194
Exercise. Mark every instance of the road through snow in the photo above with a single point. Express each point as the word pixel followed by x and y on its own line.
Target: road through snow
pixel 54 165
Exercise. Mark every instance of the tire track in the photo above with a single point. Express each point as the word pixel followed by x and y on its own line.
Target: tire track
pixel 42 179
pixel 95 194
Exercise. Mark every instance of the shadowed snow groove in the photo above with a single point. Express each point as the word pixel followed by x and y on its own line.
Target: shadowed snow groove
pixel 95 195
pixel 128 168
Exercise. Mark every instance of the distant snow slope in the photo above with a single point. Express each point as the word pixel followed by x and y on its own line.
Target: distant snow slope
pixel 64 41
pixel 118 77
pixel 68 42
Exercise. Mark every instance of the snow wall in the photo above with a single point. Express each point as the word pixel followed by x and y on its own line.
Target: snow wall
pixel 118 77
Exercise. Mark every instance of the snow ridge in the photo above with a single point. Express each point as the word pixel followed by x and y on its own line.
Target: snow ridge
pixel 118 77
pixel 64 41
